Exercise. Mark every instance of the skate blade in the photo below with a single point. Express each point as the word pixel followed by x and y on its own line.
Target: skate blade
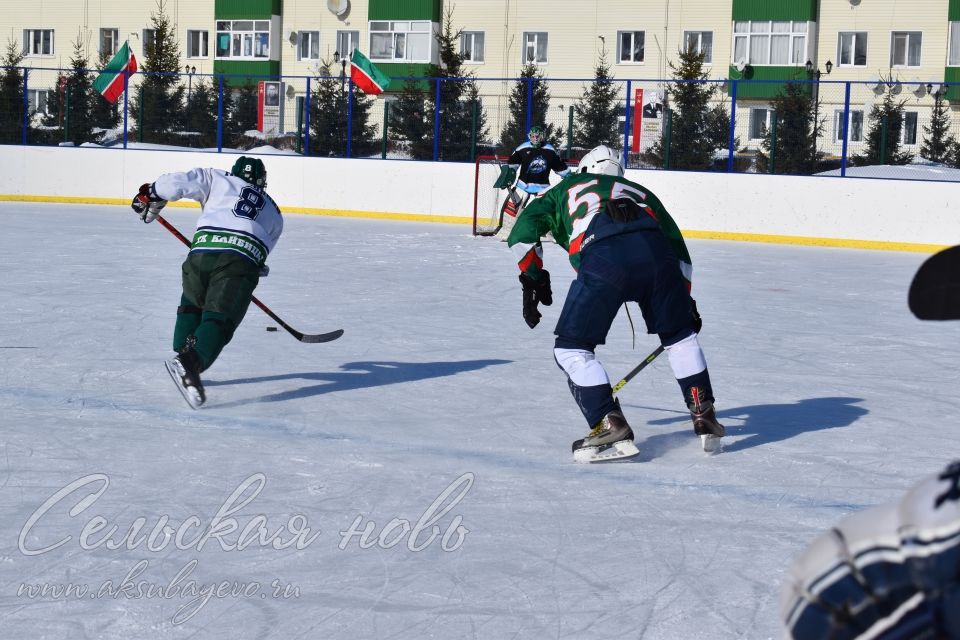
pixel 607 453
pixel 188 393
pixel 711 443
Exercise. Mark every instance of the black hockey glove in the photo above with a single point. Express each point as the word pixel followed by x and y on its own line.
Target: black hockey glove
pixel 697 320
pixel 147 204
pixel 534 293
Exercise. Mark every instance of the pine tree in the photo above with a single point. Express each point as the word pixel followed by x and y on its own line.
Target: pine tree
pixel 411 120
pixel 938 142
pixel 240 113
pixel 515 132
pixel 200 115
pixel 598 110
pixel 104 115
pixel 883 138
pixel 11 94
pixel 73 100
pixel 696 133
pixel 161 93
pixel 795 143
pixel 328 118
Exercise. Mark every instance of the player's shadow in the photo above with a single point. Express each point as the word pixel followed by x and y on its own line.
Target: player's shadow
pixel 760 424
pixel 355 375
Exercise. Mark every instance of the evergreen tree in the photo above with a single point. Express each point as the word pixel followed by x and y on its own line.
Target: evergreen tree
pixel 515 132
pixel 11 94
pixel 938 143
pixel 598 110
pixel 240 113
pixel 883 137
pixel 795 143
pixel 160 93
pixel 104 115
pixel 460 103
pixel 696 127
pixel 200 115
pixel 328 118
pixel 71 108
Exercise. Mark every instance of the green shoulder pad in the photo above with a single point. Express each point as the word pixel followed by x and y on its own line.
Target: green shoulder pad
pixel 507 175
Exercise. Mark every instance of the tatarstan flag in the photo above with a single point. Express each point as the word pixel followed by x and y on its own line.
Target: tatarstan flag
pixel 110 80
pixel 366 76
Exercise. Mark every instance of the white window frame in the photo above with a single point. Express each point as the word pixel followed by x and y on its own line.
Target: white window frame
pixel 144 37
pixel 531 43
pixel 310 40
pixel 953 44
pixel 33 100
pixel 857 37
pixel 398 33
pixel 699 34
pixel 749 31
pixel 346 38
pixel 114 34
pixel 468 46
pixel 633 33
pixel 838 132
pixel 909 35
pixel 916 129
pixel 248 40
pixel 203 42
pixel 45 46
pixel 768 116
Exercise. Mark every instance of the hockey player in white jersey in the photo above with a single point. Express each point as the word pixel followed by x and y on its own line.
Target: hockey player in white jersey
pixel 238 228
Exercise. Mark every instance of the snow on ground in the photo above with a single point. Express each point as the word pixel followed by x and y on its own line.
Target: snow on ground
pixel 919 169
pixel 438 405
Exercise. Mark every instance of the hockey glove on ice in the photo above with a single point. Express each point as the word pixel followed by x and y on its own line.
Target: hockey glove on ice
pixel 534 293
pixel 697 320
pixel 147 204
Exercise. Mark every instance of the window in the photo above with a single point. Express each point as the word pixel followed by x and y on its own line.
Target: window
pixel 770 43
pixel 908 132
pixel 471 46
pixel 400 41
pixel 852 49
pixel 856 126
pixel 629 46
pixel 148 39
pixel 759 123
pixel 534 47
pixel 347 41
pixel 905 48
pixel 197 43
pixel 701 42
pixel 108 41
pixel 954 56
pixel 243 39
pixel 38 42
pixel 40 100
pixel 308 45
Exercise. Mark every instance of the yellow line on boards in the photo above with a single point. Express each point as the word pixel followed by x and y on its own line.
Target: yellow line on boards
pixel 841 243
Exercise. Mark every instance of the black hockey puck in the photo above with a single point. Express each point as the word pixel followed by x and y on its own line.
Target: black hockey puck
pixel 271 328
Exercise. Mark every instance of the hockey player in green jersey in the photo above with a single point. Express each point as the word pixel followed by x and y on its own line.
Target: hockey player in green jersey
pixel 625 247
pixel 238 227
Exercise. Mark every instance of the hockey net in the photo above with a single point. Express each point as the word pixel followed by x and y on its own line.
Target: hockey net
pixel 487 201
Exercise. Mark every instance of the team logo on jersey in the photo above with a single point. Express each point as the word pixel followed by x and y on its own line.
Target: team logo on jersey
pixel 537 165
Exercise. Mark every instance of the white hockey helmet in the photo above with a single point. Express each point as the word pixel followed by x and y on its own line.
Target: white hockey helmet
pixel 602 160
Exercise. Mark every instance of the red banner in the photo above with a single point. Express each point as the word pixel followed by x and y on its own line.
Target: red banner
pixel 260 106
pixel 637 120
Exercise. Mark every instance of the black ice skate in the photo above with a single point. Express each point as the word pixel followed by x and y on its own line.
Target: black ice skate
pixel 705 422
pixel 185 371
pixel 610 439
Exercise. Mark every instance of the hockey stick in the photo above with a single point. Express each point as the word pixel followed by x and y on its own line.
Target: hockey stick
pixel 637 369
pixel 935 290
pixel 302 337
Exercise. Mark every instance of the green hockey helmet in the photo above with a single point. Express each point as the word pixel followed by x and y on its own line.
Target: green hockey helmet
pixel 250 170
pixel 537 135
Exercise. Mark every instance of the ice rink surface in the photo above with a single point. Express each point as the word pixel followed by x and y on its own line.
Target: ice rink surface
pixel 440 425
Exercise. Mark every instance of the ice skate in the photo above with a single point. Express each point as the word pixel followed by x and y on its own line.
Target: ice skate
pixel 705 423
pixel 185 371
pixel 610 439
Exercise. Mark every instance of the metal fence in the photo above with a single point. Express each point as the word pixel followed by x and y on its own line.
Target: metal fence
pixel 795 126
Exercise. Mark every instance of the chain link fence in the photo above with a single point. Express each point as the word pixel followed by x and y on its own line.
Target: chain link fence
pixel 795 127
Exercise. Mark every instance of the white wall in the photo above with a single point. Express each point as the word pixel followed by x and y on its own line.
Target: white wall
pixel 846 211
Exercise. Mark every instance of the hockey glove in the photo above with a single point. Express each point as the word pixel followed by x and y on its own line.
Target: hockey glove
pixel 697 320
pixel 147 204
pixel 535 292
pixel 264 271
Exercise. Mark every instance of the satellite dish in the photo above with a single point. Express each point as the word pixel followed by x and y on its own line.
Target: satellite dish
pixel 292 37
pixel 875 84
pixel 854 3
pixel 920 90
pixel 290 91
pixel 338 7
pixel 896 88
pixel 741 66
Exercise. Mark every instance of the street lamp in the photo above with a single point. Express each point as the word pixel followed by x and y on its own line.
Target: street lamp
pixel 814 72
pixel 187 69
pixel 343 67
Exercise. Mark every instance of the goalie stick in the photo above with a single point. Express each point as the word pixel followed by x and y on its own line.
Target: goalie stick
pixel 935 290
pixel 302 337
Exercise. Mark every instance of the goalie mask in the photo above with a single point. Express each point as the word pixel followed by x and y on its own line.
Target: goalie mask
pixel 601 160
pixel 250 170
pixel 537 135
